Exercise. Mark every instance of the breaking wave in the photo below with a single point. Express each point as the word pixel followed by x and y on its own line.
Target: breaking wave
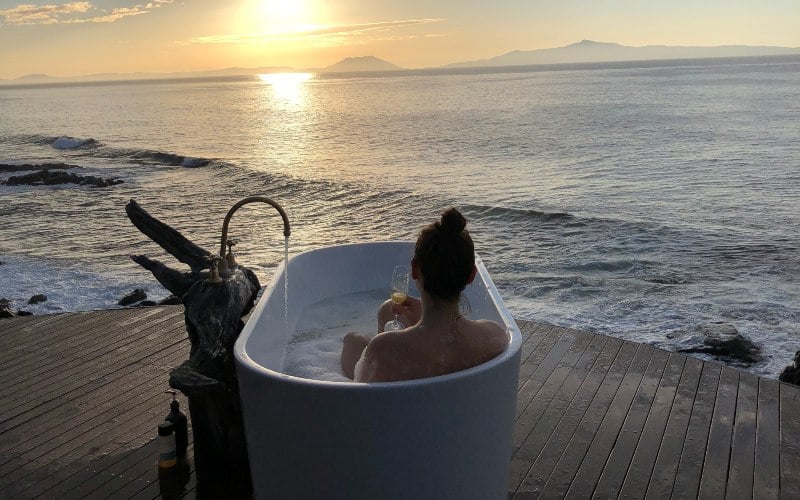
pixel 519 214
pixel 66 142
pixel 90 147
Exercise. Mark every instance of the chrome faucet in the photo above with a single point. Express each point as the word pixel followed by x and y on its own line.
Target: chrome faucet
pixel 228 261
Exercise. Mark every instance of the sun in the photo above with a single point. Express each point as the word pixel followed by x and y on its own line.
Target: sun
pixel 284 12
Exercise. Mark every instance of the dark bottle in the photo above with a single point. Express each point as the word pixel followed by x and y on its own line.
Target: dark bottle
pixel 180 424
pixel 168 479
pixel 166 446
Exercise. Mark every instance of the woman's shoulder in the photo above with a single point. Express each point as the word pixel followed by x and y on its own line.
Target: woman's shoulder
pixel 490 327
pixel 387 340
pixel 380 357
pixel 492 336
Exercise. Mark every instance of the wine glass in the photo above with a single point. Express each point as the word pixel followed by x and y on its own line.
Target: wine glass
pixel 399 294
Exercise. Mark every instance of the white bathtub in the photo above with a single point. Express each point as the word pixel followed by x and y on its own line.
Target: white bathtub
pixel 437 438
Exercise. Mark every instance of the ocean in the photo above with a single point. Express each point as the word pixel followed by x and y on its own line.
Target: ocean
pixel 641 200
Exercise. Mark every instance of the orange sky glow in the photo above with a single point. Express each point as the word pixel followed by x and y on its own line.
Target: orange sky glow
pixel 118 36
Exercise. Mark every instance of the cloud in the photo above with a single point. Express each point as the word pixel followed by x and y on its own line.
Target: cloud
pixel 70 13
pixel 333 35
pixel 41 14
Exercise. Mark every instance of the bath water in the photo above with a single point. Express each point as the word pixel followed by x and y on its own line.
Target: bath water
pixel 316 344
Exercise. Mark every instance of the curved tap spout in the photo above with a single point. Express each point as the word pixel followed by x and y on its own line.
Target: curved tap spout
pixel 251 199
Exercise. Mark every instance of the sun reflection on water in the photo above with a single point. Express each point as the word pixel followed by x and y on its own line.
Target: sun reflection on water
pixel 287 86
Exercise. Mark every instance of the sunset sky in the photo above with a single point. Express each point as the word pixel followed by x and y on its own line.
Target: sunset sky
pixel 84 37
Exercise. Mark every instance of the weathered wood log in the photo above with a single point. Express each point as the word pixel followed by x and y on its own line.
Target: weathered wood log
pixel 213 314
pixel 169 239
pixel 176 282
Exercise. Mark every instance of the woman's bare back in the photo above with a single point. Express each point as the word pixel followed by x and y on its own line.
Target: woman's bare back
pixel 421 351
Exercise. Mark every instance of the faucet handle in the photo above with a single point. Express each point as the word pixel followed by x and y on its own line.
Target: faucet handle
pixel 213 272
pixel 230 259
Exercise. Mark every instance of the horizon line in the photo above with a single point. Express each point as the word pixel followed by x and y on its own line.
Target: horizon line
pixel 449 67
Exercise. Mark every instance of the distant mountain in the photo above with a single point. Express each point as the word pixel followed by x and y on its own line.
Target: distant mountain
pixel 588 51
pixel 113 77
pixel 359 64
pixel 38 77
pixel 585 51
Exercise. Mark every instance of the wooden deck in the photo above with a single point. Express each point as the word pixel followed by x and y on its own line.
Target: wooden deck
pixel 81 394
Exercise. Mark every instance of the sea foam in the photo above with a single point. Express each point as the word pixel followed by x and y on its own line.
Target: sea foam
pixel 65 142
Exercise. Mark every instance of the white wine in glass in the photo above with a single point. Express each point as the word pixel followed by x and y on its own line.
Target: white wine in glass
pixel 399 294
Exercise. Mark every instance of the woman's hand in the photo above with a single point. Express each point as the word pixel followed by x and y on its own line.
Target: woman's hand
pixel 411 309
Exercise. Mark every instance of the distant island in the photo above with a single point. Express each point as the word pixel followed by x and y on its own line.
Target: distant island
pixel 359 64
pixel 585 51
pixel 588 51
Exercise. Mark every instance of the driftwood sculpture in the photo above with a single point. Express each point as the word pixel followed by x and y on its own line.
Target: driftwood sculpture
pixel 216 294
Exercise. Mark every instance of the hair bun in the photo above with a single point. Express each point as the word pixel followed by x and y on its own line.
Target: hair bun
pixel 452 221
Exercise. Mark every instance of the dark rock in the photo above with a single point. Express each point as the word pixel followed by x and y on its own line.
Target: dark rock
pixel 49 178
pixel 146 303
pixel 24 313
pixel 25 167
pixel 791 374
pixel 725 342
pixel 172 300
pixel 39 297
pixel 135 296
pixel 5 309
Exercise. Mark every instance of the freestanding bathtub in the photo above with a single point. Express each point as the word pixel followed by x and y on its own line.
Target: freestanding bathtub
pixel 446 437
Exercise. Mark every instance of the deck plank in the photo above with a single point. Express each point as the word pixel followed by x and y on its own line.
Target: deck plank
pixel 542 362
pixel 571 418
pixel 596 416
pixel 574 452
pixel 81 371
pixel 69 329
pixel 589 469
pixel 766 473
pixel 743 446
pixel 790 441
pixel 669 453
pixel 715 466
pixel 533 339
pixel 119 418
pixel 687 477
pixel 522 461
pixel 545 381
pixel 82 346
pixel 24 352
pixel 96 454
pixel 53 361
pixel 548 378
pixel 616 466
pixel 65 440
pixel 644 457
pixel 106 391
pixel 21 324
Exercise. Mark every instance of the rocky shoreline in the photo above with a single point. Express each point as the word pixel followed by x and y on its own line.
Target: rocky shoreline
pixel 49 174
pixel 136 298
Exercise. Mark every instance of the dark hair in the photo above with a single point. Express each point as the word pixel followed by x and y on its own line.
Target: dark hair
pixel 446 255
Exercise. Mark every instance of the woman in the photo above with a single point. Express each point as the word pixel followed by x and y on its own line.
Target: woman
pixel 441 340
